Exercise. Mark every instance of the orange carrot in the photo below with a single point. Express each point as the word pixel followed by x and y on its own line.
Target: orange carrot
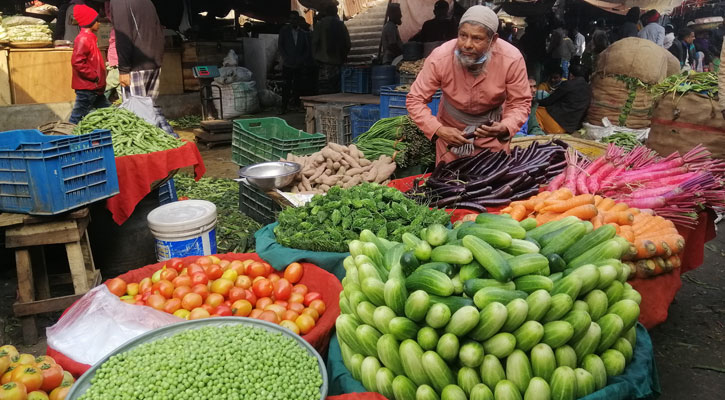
pixel 584 212
pixel 634 211
pixel 598 199
pixel 662 249
pixel 606 204
pixel 546 217
pixel 508 209
pixel 519 212
pixel 618 217
pixel 674 241
pixel 645 248
pixel 597 221
pixel 619 207
pixel 626 232
pixel 675 261
pixel 564 205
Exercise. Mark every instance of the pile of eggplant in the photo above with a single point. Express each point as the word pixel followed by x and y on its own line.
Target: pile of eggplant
pixel 491 179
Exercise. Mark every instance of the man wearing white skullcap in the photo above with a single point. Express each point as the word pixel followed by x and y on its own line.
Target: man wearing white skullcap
pixel 486 97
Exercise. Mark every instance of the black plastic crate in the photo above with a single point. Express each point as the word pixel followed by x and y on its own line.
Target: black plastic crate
pixel 257 205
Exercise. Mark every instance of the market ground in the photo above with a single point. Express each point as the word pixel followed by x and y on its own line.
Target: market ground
pixel 689 347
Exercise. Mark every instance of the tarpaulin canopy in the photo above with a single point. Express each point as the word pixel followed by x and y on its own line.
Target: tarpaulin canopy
pixel 622 6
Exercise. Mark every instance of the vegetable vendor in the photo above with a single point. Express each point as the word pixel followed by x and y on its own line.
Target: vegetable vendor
pixel 486 96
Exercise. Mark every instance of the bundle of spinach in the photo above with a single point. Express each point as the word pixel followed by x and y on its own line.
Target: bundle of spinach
pixel 329 223
pixel 234 230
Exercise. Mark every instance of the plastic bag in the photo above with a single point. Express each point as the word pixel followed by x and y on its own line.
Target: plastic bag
pixel 144 107
pixel 594 132
pixel 17 20
pixel 112 322
pixel 233 74
pixel 231 60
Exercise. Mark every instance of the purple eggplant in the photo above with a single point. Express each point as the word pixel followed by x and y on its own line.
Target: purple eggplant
pixel 472 206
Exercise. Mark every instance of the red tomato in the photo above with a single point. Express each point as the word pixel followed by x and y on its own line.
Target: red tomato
pixel 7 376
pixel 132 289
pixel 169 274
pixel 230 274
pixel 145 285
pixel 214 299
pixel 270 316
pixel 175 263
pixel 309 297
pixel 180 292
pixel 208 308
pixel 305 323
pixel 41 360
pixel 201 290
pixel 238 266
pixel 223 311
pixel 59 393
pixel 290 315
pixel 117 286
pixel 13 391
pixel 156 301
pixel 281 303
pixel 282 289
pixel 296 307
pixel 291 326
pixel 311 312
pixel 264 302
pixel 236 293
pixel 259 278
pixel 140 303
pixel 182 280
pixel 37 395
pixel 214 271
pixel 204 261
pixel 267 268
pixel 293 272
pixel 228 303
pixel 296 298
pixel 199 313
pixel 222 286
pixel 256 269
pixel 199 278
pixel 262 288
pixel 30 377
pixel 250 296
pixel 318 305
pixel 224 264
pixel 256 313
pixel 191 301
pixel 277 309
pixel 164 288
pixel 300 288
pixel 243 282
pixel 194 269
pixel 273 277
pixel 172 305
pixel 241 308
pixel 182 313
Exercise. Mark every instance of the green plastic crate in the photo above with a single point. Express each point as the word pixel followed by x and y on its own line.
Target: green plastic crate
pixel 269 139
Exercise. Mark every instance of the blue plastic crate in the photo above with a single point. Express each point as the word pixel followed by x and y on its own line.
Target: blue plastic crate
pixel 362 118
pixel 46 175
pixel 167 192
pixel 355 79
pixel 392 102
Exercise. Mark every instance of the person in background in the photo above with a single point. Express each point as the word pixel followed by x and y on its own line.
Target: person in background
pixel 392 45
pixel 652 31
pixel 721 81
pixel 293 48
pixel 531 126
pixel 553 73
pixel 598 42
pixel 486 94
pixel 562 49
pixel 564 110
pixel 112 75
pixel 629 28
pixel 533 46
pixel 669 36
pixel 580 42
pixel 440 28
pixel 330 47
pixel 683 49
pixel 702 44
pixel 89 70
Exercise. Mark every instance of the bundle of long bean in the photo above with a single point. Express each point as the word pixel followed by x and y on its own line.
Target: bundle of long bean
pixel 398 138
pixel 700 82
pixel 130 133
pixel 491 179
pixel 625 140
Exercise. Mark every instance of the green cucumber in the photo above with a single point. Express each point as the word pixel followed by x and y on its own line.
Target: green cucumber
pixel 389 353
pixel 494 237
pixel 489 258
pixel 527 264
pixel 417 305
pixel 451 254
pixel 448 347
pixel 471 286
pixel 439 266
pixel 589 241
pixel 430 281
pixel 519 247
pixel 436 235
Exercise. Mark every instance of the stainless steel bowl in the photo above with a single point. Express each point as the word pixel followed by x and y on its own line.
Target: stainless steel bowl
pixel 271 175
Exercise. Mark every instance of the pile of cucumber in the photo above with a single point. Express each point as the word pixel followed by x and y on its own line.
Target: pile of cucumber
pixel 491 309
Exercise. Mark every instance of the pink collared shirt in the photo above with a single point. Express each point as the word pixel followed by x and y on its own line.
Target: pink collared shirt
pixel 503 84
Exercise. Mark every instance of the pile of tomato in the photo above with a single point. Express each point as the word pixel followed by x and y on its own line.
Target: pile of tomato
pixel 211 287
pixel 26 377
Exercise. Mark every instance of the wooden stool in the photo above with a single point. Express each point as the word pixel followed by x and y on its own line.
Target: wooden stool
pixel 27 233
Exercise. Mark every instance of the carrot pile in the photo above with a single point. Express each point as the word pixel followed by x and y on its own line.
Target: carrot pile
pixel 674 187
pixel 655 240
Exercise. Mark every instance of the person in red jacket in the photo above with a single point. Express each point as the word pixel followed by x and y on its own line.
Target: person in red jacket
pixel 89 69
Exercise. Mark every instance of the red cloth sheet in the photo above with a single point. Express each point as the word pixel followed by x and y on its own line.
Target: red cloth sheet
pixel 316 279
pixel 136 174
pixel 657 292
pixel 358 396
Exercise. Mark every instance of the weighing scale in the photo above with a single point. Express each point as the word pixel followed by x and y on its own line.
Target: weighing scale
pixel 213 131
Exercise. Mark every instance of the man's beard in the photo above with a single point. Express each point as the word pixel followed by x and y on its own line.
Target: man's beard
pixel 471 63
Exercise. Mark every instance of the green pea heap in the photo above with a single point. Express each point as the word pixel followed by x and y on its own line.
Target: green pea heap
pixel 226 362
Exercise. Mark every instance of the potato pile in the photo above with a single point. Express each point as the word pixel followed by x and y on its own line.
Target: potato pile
pixel 337 165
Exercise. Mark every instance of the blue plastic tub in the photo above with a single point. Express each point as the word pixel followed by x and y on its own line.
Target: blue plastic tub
pixel 392 102
pixel 355 79
pixel 362 118
pixel 382 75
pixel 46 175
pixel 167 192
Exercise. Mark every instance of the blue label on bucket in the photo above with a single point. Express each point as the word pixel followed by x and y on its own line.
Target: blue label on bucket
pixel 203 245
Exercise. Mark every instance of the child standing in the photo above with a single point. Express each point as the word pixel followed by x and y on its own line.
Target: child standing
pixel 89 70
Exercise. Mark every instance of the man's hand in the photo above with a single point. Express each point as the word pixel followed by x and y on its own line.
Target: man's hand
pixel 452 136
pixel 496 129
pixel 124 80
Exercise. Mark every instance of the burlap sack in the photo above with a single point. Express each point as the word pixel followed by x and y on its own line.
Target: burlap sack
pixel 639 58
pixel 681 123
pixel 609 99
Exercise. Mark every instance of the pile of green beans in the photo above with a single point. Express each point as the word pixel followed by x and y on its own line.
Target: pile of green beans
pixel 224 362
pixel 130 133
pixel 625 140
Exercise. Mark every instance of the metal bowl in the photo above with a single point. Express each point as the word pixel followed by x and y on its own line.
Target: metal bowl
pixel 271 175
pixel 84 382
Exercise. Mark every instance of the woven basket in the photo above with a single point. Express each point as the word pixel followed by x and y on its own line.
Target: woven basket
pixel 589 148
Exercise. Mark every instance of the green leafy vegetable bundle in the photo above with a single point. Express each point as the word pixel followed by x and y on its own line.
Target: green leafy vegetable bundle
pixel 329 223
pixel 129 132
pixel 399 138
pixel 700 82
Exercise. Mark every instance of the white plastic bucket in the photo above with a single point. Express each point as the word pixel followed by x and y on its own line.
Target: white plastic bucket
pixel 184 228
